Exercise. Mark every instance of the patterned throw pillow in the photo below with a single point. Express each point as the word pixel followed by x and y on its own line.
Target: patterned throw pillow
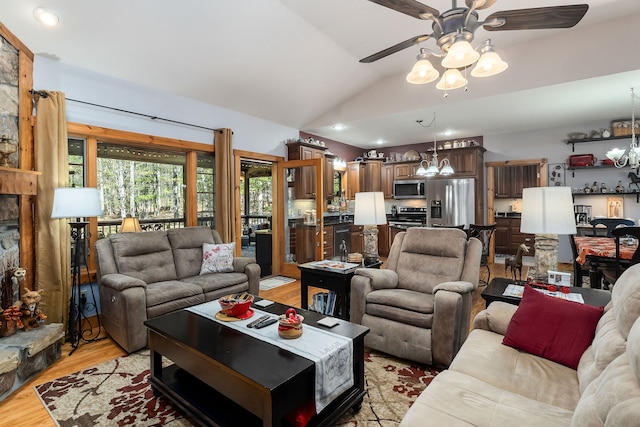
pixel 217 258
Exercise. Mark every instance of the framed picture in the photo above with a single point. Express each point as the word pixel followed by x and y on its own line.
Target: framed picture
pixel 615 207
pixel 556 175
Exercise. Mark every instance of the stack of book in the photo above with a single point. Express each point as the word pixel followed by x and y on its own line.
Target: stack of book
pixel 325 303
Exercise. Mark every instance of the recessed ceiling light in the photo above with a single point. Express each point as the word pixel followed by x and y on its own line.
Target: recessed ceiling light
pixel 380 141
pixel 46 16
pixel 447 133
pixel 338 126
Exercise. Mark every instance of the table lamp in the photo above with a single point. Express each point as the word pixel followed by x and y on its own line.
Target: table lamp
pixel 78 202
pixel 369 212
pixel 547 212
pixel 130 225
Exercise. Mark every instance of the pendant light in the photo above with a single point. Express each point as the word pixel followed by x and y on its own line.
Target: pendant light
pixel 433 168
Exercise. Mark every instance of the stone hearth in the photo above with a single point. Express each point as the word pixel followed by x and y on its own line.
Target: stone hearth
pixel 26 353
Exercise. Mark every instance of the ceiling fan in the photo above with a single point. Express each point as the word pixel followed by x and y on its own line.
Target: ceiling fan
pixel 454 30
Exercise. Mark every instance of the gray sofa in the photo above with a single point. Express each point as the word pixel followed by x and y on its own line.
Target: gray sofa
pixel 490 384
pixel 144 275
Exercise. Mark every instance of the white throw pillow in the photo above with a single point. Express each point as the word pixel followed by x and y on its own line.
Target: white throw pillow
pixel 217 258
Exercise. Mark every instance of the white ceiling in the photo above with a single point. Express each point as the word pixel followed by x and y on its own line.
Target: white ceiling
pixel 295 62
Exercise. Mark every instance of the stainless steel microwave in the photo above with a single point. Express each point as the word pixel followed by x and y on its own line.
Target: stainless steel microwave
pixel 409 189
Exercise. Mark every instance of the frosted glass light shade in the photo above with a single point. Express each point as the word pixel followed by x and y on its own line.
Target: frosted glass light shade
pixel 547 210
pixel 422 72
pixel 446 168
pixel 76 202
pixel 369 209
pixel 489 64
pixel 615 154
pixel 451 79
pixel 460 55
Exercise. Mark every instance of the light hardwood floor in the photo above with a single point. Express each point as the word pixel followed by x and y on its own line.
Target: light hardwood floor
pixel 23 407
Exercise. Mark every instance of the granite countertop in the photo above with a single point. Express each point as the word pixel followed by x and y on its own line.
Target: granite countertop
pixel 508 214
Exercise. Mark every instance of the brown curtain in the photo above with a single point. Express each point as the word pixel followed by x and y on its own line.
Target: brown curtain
pixel 224 217
pixel 53 236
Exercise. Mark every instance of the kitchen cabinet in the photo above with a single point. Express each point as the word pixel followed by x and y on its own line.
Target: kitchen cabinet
pixel 392 234
pixel 363 176
pixel 327 184
pixel 405 170
pixel 305 243
pixel 510 180
pixel 357 239
pixel 465 161
pixel 508 237
pixel 305 183
pixel 383 240
pixel 386 180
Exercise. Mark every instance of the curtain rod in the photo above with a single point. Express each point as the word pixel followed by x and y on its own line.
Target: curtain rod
pixel 44 94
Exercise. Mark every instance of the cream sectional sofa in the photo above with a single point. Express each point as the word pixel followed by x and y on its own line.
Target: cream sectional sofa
pixel 144 275
pixel 490 384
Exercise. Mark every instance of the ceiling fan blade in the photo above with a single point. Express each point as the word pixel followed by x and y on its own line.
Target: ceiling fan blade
pixel 538 18
pixel 480 4
pixel 408 7
pixel 393 49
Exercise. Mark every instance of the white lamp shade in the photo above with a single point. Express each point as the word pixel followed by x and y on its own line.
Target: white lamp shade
pixel 369 209
pixel 451 79
pixel 489 64
pixel 547 210
pixel 460 55
pixel 76 202
pixel 615 154
pixel 422 72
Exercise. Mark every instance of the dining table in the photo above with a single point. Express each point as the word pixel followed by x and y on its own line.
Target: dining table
pixel 599 250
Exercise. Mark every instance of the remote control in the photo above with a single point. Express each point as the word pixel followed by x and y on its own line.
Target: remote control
pixel 255 322
pixel 265 323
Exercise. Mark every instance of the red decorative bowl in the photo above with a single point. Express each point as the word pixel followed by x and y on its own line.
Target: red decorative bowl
pixel 235 305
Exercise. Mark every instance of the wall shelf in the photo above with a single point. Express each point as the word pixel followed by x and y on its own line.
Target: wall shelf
pixel 626 193
pixel 573 142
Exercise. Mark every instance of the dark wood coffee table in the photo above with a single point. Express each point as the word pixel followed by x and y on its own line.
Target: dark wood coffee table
pixel 495 289
pixel 224 377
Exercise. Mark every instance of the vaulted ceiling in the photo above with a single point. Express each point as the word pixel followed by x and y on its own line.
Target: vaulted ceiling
pixel 295 62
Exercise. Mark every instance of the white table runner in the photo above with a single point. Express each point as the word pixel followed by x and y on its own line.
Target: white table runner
pixel 332 353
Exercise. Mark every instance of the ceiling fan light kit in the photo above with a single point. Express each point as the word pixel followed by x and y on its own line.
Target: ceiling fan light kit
pixel 454 30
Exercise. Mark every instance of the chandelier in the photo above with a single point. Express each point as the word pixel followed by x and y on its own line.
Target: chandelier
pixel 617 155
pixel 434 168
pixel 456 59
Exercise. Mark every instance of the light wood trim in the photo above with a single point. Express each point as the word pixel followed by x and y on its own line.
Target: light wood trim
pixel 135 139
pixel 15 42
pixel 91 180
pixel 25 111
pixel 237 220
pixel 18 181
pixel 191 212
pixel 250 155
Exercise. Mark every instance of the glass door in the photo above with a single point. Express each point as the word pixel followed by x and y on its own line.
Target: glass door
pixel 302 221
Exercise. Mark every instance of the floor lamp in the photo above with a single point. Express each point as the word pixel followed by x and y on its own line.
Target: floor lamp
pixel 547 212
pixel 370 212
pixel 78 202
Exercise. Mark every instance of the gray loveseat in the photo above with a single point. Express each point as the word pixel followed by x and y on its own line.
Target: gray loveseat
pixel 490 384
pixel 143 275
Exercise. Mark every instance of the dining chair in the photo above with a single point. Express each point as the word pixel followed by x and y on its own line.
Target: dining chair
pixel 611 274
pixel 484 234
pixel 579 271
pixel 611 224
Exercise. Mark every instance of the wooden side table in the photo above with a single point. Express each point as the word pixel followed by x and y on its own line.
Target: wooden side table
pixel 494 292
pixel 333 280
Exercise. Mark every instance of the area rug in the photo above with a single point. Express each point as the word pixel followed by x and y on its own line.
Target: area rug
pixel 274 282
pixel 118 393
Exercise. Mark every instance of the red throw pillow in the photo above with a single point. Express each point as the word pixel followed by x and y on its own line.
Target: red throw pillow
pixel 552 328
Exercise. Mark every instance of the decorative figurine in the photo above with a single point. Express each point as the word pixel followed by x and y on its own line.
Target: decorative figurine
pixel 603 188
pixel 619 187
pixel 594 187
pixel 587 189
pixel 634 180
pixel 32 316
pixel 606 133
pixel 515 262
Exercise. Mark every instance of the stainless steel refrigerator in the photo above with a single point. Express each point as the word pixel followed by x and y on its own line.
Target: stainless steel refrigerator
pixel 450 201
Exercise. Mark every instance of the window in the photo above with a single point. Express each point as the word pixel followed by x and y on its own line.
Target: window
pixel 76 162
pixel 205 185
pixel 143 183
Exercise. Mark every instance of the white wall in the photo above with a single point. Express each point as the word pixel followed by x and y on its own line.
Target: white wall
pixel 249 133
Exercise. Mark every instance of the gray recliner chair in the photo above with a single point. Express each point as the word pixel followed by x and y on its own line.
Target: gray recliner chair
pixel 419 306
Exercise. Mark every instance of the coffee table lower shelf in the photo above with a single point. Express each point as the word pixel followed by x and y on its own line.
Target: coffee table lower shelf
pixel 208 407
